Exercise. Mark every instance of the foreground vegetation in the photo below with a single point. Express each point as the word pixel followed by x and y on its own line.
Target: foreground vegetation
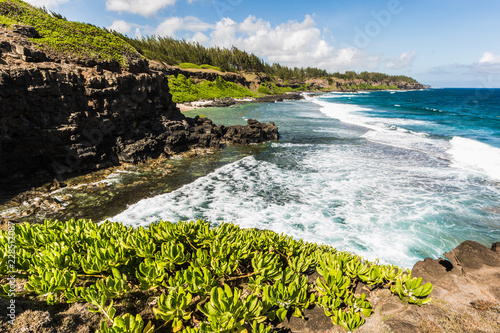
pixel 206 279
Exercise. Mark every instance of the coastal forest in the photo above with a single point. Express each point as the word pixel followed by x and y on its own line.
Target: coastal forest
pixel 253 76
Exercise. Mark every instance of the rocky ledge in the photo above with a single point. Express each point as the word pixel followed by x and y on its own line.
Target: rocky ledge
pixel 225 102
pixel 62 115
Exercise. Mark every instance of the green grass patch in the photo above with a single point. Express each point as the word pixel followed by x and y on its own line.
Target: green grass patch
pixel 70 38
pixel 184 89
pixel 188 65
pixel 269 88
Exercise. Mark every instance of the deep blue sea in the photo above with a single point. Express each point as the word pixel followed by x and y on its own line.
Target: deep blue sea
pixel 394 175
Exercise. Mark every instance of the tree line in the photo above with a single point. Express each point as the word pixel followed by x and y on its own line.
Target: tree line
pixel 174 51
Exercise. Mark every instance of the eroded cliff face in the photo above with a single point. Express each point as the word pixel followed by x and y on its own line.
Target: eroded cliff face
pixel 65 115
pixel 340 84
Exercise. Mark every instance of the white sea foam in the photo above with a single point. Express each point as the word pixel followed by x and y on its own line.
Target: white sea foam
pixel 475 156
pixel 387 131
pixel 359 201
pixel 372 199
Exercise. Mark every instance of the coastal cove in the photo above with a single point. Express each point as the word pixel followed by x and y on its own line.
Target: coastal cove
pixel 324 181
pixel 383 188
pixel 361 178
pixel 161 184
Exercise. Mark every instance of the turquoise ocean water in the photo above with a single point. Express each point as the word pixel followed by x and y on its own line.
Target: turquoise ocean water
pixel 393 175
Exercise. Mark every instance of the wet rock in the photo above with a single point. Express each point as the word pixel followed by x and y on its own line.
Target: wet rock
pixel 496 247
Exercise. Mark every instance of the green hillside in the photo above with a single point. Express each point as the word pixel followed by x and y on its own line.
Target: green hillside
pixel 82 40
pixel 74 39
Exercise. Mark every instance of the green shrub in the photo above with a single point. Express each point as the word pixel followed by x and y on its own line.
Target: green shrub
pixel 196 271
pixel 188 65
pixel 184 89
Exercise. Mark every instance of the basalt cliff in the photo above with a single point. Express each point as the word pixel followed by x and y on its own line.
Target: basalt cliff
pixel 62 115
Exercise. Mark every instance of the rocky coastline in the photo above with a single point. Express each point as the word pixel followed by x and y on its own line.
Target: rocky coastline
pixel 226 102
pixel 64 116
pixel 60 115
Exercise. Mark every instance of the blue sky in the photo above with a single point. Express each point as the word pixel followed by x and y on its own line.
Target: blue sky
pixel 445 43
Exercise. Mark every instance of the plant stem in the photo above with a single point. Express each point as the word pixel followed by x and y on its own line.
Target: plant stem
pixel 240 277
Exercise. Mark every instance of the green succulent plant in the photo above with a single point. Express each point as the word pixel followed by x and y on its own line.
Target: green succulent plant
pixel 127 324
pixel 350 320
pixel 150 274
pixel 300 264
pixel 355 267
pixel 199 271
pixel 171 255
pixel 413 289
pixel 292 297
pixel 260 328
pixel 227 312
pixel 359 304
pixel 174 307
pixel 373 277
pixel 51 282
pixel 267 265
pixel 199 280
pixel 333 284
pixel 114 286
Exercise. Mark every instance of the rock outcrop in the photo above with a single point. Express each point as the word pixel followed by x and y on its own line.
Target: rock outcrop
pixel 65 115
pixel 470 274
pixel 340 84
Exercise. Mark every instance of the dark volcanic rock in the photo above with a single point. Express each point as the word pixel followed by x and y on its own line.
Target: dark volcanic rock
pixel 60 117
pixel 25 30
pixel 252 133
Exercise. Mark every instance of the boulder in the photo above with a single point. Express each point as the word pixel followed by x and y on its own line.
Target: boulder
pixel 470 273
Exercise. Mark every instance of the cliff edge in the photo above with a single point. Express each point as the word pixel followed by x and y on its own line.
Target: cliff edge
pixel 61 114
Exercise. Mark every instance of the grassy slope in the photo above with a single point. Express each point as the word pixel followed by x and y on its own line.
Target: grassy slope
pixel 185 90
pixel 70 38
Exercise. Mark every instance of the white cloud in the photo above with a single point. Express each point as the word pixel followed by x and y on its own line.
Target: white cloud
pixel 138 33
pixel 142 7
pixel 173 24
pixel 50 4
pixel 121 26
pixel 292 43
pixel 489 58
pixel 405 60
pixel 200 37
